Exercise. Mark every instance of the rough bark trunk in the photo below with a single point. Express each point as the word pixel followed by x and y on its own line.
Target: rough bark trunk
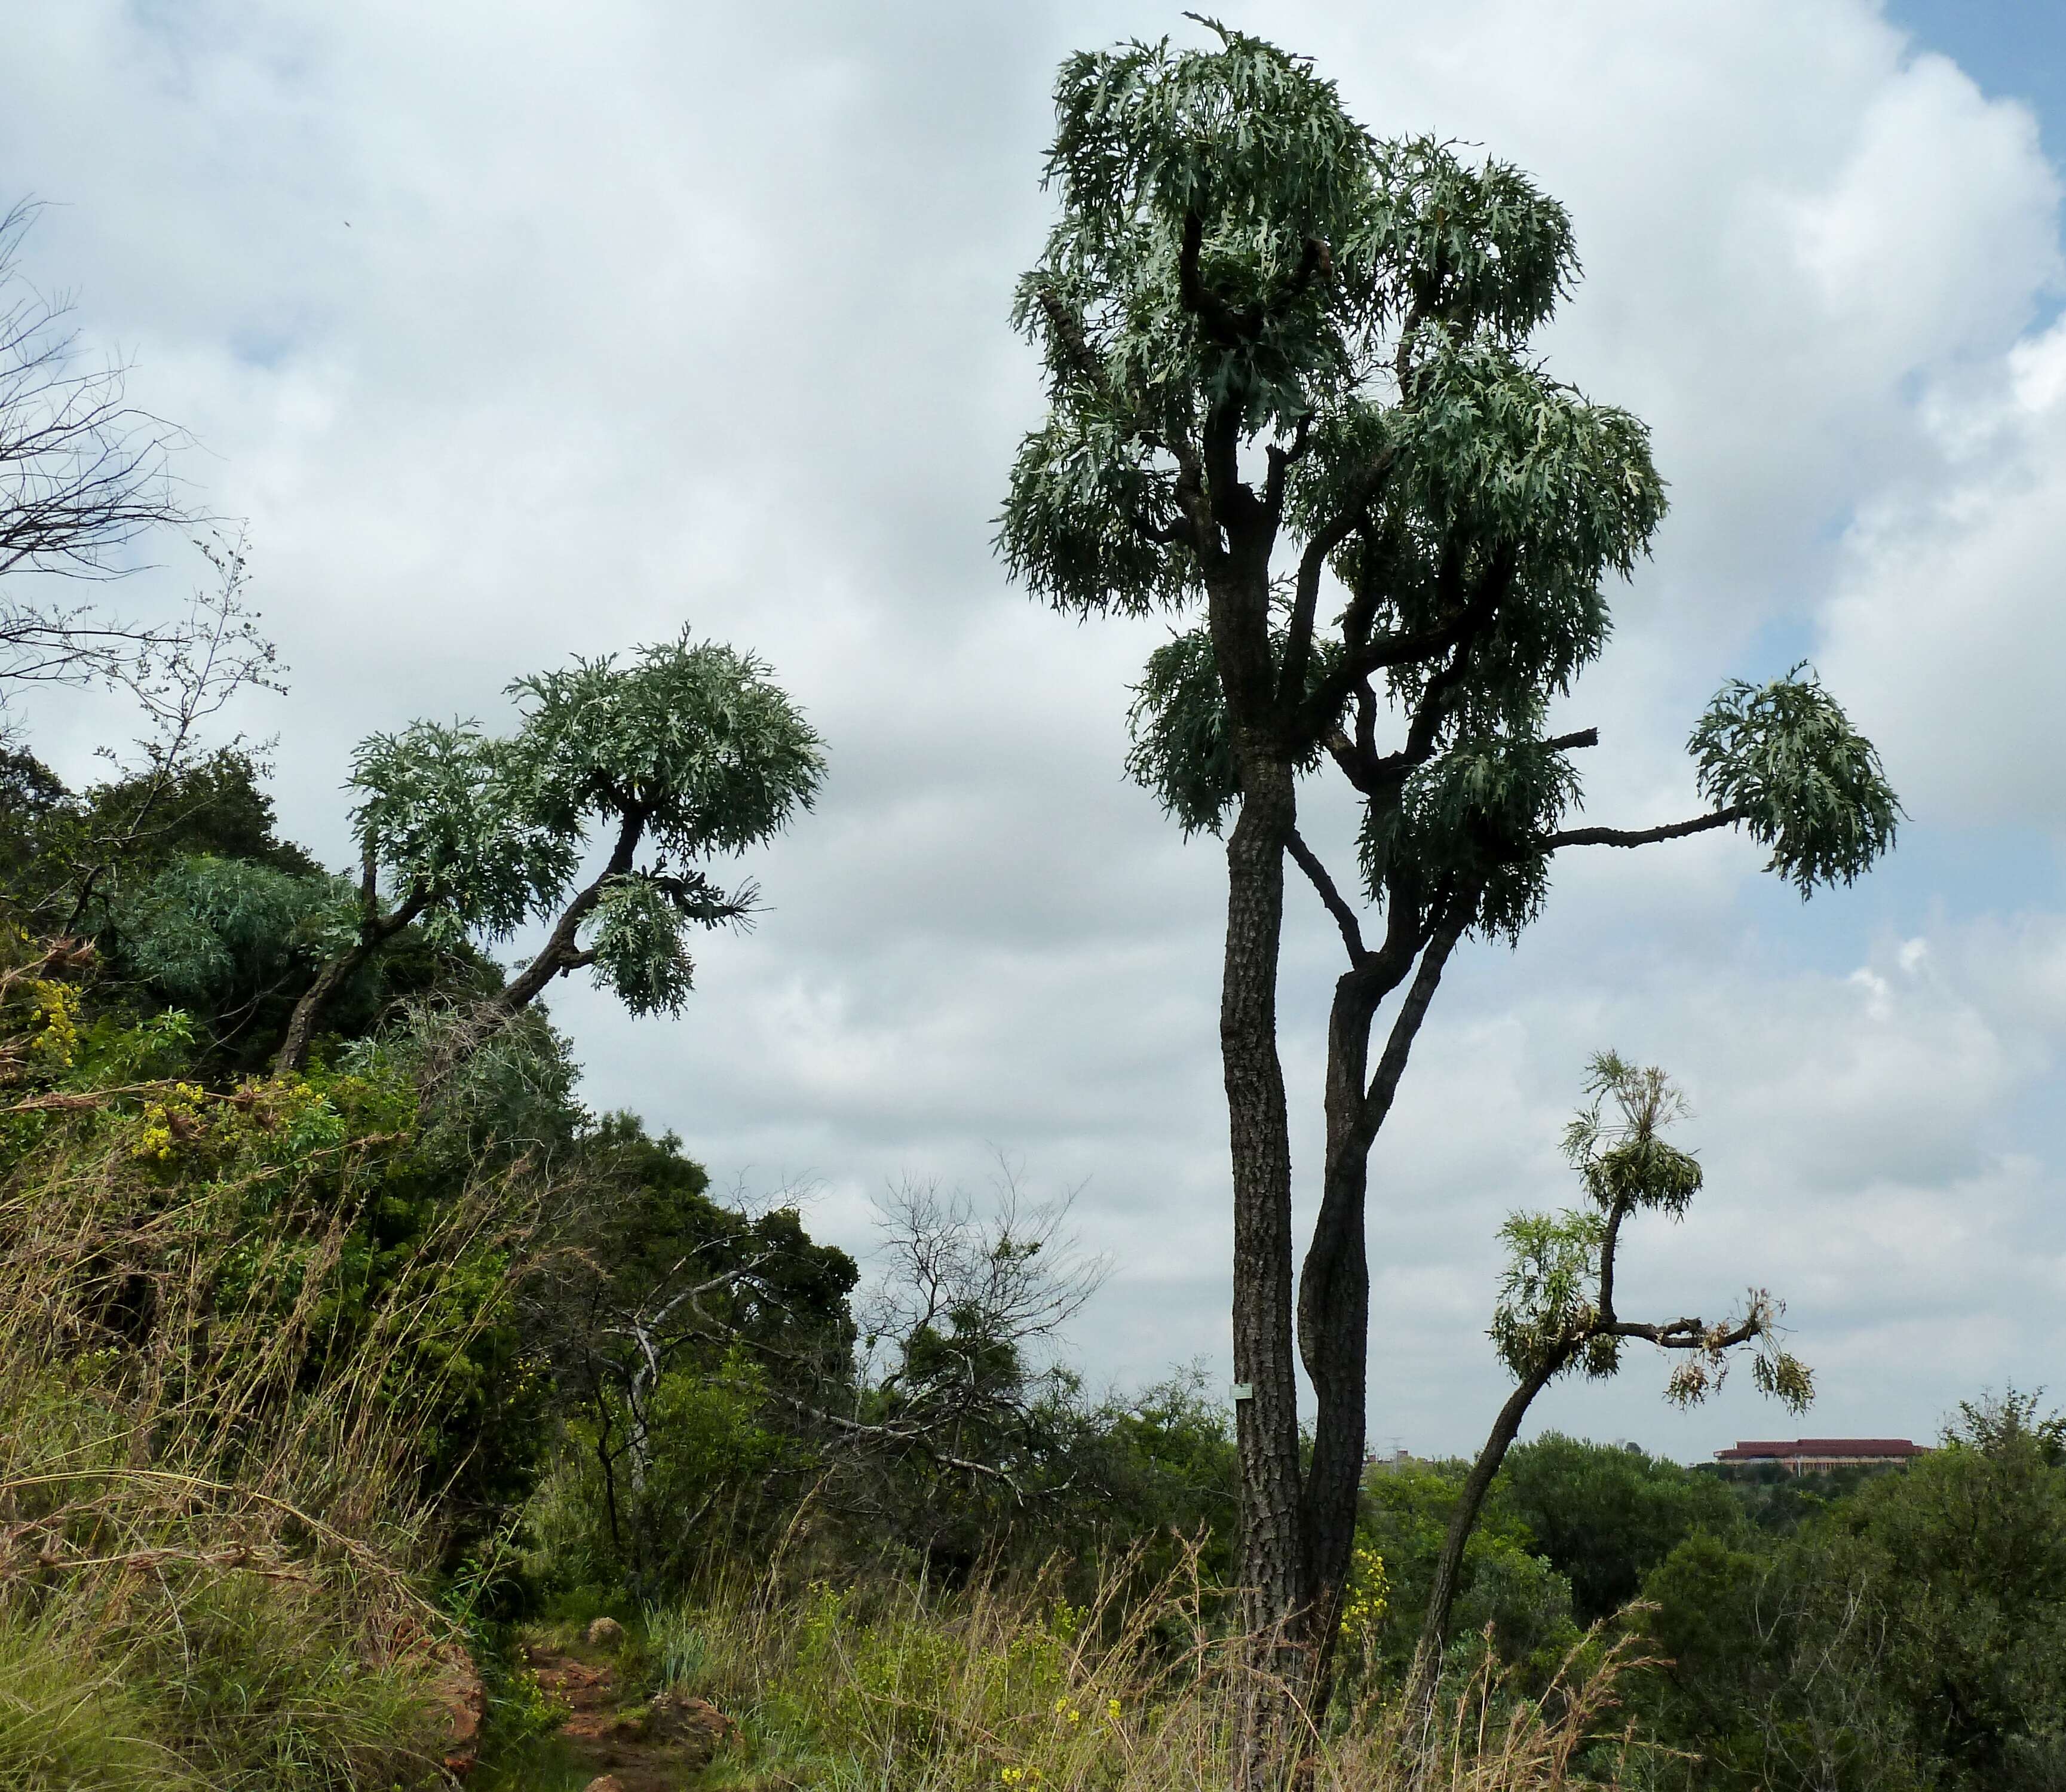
pixel 302 1024
pixel 293 1053
pixel 1334 1323
pixel 1272 1556
pixel 561 951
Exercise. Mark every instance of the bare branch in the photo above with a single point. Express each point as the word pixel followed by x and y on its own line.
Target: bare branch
pixel 1686 1334
pixel 1345 916
pixel 909 1437
pixel 1644 836
pixel 83 472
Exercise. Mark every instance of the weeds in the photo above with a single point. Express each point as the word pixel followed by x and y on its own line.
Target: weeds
pixel 213 1533
pixel 882 1686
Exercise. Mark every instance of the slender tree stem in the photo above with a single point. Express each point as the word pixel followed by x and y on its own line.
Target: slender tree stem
pixel 1442 1596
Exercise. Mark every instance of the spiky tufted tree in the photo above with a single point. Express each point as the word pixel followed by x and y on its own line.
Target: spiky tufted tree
pixel 1557 1311
pixel 1291 401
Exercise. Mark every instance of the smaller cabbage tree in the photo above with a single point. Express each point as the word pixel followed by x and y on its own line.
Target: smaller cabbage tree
pixel 686 751
pixel 1557 1311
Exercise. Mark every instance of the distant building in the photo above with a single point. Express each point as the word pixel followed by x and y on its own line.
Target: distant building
pixel 1819 1455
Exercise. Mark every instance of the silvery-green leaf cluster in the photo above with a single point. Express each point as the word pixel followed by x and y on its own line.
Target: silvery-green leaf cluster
pixel 1378 300
pixel 683 751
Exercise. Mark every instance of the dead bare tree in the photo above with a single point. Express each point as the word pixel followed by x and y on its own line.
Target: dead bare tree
pixel 83 473
pixel 955 1401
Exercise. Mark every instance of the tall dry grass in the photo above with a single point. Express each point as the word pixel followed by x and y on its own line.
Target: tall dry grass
pixel 213 1537
pixel 885 1687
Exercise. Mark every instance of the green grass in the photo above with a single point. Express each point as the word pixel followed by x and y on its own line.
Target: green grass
pixel 878 1686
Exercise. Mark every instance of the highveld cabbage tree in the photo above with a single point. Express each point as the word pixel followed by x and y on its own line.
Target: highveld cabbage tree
pixel 1558 1309
pixel 687 751
pixel 1292 403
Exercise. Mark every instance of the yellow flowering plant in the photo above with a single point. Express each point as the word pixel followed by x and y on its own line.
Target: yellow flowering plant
pixel 1365 1603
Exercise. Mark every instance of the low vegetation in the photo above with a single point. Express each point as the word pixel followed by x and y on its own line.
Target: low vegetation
pixel 374 1414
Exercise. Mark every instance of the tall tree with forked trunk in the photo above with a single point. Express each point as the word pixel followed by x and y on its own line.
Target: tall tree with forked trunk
pixel 1291 401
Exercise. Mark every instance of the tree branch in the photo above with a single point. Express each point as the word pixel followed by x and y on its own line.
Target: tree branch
pixel 1645 836
pixel 1411 648
pixel 902 1435
pixel 1609 1244
pixel 1282 461
pixel 1081 358
pixel 1682 1334
pixel 1345 916
pixel 560 954
pixel 1221 323
pixel 1405 1024
pixel 1312 564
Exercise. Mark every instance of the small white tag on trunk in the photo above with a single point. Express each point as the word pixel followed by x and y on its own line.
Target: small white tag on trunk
pixel 1244 1390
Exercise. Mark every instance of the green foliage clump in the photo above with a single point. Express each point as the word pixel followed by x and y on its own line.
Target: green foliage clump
pixel 436 812
pixel 1809 786
pixel 1604 1515
pixel 1912 1633
pixel 1509 1593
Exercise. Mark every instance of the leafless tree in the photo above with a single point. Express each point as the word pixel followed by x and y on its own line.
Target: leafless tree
pixel 1013 1276
pixel 967 1297
pixel 83 473
pixel 185 675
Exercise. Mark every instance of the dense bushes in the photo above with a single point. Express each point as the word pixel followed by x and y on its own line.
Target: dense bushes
pixel 1911 1634
pixel 242 1355
pixel 304 1377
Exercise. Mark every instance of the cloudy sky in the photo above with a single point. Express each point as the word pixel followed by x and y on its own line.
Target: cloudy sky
pixel 518 331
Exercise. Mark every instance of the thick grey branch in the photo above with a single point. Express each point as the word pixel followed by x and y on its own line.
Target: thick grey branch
pixel 1642 836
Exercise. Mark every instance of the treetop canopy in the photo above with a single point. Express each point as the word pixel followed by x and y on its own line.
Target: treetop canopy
pixel 696 740
pixel 437 813
pixel 688 749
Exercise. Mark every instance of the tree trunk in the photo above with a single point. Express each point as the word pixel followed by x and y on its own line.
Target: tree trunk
pixel 1334 1323
pixel 561 951
pixel 375 931
pixel 293 1053
pixel 1271 1561
pixel 558 954
pixel 1334 1288
pixel 1442 1596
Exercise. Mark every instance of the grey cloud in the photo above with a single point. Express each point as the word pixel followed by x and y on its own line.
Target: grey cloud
pixel 645 318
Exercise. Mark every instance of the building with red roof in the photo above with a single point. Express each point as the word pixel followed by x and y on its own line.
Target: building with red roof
pixel 1819 1455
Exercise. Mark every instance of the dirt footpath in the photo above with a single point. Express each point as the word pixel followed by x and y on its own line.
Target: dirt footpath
pixel 658 1745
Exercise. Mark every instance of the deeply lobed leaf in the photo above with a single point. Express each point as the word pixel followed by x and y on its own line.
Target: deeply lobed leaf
pixel 1813 788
